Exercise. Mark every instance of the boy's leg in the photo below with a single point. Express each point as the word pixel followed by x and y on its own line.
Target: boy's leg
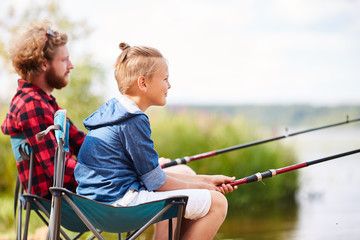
pixel 207 226
pixel 183 169
pixel 161 229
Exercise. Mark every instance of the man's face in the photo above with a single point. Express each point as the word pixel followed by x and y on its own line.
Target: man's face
pixel 58 74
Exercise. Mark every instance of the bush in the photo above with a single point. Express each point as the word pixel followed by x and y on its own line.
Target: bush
pixel 8 169
pixel 186 133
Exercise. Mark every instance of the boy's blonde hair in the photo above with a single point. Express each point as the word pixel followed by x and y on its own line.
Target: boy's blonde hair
pixel 29 49
pixel 134 62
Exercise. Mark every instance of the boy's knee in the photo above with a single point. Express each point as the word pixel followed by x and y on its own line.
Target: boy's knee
pixel 186 170
pixel 183 169
pixel 219 203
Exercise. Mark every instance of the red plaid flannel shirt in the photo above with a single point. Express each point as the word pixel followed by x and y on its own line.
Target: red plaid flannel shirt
pixel 31 111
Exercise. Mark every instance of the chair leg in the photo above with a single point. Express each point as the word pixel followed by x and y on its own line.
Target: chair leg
pixel 78 235
pixel 93 236
pixel 19 224
pixel 27 219
pixel 181 213
pixel 170 229
pixel 83 218
pixel 48 216
pixel 55 216
pixel 136 233
pixel 42 218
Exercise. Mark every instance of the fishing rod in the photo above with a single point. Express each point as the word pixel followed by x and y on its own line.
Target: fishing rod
pixel 186 160
pixel 272 172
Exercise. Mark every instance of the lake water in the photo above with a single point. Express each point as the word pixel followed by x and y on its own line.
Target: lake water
pixel 328 198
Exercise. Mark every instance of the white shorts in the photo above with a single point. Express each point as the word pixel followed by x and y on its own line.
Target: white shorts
pixel 198 204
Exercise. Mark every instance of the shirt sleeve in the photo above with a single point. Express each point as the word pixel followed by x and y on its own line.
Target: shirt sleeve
pixel 140 148
pixel 34 117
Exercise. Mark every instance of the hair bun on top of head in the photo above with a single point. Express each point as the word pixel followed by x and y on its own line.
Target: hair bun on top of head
pixel 123 46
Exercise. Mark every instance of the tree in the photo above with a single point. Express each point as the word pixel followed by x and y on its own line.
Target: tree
pixel 83 77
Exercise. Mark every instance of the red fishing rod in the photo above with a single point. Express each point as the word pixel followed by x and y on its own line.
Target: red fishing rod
pixel 272 172
pixel 186 160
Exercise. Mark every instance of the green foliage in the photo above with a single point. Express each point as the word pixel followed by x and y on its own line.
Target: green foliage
pixel 7 214
pixel 8 166
pixel 8 169
pixel 81 91
pixel 78 98
pixel 188 133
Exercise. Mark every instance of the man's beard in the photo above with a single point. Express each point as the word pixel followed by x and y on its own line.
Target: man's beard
pixel 54 80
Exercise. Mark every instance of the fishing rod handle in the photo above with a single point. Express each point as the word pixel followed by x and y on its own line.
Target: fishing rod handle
pixel 177 161
pixel 254 178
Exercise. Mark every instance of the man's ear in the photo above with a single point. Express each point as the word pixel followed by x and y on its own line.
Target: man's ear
pixel 142 83
pixel 45 65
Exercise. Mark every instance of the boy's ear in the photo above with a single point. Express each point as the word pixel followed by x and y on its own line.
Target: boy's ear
pixel 141 82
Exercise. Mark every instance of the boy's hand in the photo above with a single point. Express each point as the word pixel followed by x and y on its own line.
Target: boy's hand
pixel 226 188
pixel 163 160
pixel 217 179
pixel 220 182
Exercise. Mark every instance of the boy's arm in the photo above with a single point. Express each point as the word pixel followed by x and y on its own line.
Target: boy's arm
pixel 175 181
pixel 219 181
pixel 212 179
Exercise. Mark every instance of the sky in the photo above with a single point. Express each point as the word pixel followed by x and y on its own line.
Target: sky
pixel 234 52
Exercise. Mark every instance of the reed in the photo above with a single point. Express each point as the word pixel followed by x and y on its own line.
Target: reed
pixel 181 133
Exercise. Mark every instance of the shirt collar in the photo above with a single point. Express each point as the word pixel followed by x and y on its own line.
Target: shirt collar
pixel 129 104
pixel 25 86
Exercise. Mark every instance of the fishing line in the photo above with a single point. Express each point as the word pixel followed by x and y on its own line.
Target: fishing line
pixel 186 160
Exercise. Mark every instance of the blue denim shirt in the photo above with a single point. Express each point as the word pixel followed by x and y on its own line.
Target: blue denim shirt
pixel 117 154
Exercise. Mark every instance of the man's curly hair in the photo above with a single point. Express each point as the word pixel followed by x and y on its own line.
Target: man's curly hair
pixel 31 48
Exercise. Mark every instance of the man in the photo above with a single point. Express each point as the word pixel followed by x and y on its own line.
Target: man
pixel 41 58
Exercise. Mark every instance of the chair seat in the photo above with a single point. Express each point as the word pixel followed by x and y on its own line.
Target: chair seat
pixel 69 219
pixel 80 214
pixel 113 219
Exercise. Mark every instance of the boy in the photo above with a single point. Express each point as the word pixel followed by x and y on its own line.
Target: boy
pixel 118 163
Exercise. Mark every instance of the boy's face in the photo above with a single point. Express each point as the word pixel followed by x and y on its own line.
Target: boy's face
pixel 158 85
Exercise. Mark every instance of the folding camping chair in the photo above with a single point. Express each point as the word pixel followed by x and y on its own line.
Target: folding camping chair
pixel 31 202
pixel 22 152
pixel 78 213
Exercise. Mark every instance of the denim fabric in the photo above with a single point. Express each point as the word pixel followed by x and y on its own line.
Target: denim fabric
pixel 117 154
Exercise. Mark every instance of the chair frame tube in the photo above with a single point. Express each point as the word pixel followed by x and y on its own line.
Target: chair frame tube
pixel 55 214
pixel 82 216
